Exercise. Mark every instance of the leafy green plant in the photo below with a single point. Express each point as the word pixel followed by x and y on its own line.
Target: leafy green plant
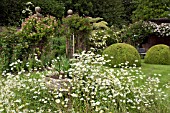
pixel 135 33
pixel 38 36
pixel 148 9
pixel 98 23
pixel 7 42
pixel 77 24
pixel 61 64
pixel 158 54
pixel 80 28
pixel 122 53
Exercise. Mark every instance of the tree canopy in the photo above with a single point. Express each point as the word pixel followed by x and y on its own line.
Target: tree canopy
pixel 149 9
pixel 114 12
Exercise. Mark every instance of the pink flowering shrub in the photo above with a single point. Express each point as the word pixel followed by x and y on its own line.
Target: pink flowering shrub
pixel 38 30
pixel 34 41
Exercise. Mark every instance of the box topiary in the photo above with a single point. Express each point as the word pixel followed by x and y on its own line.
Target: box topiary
pixel 158 54
pixel 122 53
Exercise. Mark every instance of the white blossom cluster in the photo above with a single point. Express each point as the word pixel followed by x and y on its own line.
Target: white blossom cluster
pixel 29 93
pixel 161 30
pixel 33 64
pixel 103 89
pixel 27 9
pixel 92 88
pixel 98 39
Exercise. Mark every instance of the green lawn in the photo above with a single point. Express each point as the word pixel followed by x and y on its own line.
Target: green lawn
pixel 151 69
pixel 164 70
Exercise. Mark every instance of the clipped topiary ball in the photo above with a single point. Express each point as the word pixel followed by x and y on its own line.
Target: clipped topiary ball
pixel 158 54
pixel 120 53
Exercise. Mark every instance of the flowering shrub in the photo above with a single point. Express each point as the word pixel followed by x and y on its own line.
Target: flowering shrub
pixel 94 88
pixel 36 29
pixel 34 35
pixel 136 33
pixel 160 30
pixel 40 36
pixel 100 89
pixel 100 39
pixel 28 93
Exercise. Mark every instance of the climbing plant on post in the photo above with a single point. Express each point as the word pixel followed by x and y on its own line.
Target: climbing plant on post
pixel 81 28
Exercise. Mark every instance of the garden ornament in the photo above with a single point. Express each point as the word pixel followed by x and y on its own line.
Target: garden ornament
pixel 38 10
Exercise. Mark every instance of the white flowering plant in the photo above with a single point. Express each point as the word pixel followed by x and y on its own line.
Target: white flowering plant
pixel 101 89
pixel 137 32
pixel 92 88
pixel 28 9
pixel 162 30
pixel 100 39
pixel 26 94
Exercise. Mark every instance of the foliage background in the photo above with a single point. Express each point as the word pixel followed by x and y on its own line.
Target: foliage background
pixel 115 12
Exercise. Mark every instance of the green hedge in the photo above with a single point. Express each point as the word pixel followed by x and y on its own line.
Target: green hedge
pixel 121 53
pixel 158 54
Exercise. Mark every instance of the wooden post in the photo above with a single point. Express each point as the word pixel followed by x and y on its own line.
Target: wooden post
pixel 73 45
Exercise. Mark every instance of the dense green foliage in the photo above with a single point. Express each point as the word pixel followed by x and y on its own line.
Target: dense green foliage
pixel 121 54
pixel 80 28
pixel 129 7
pixel 149 9
pixel 112 12
pixel 11 12
pixel 50 7
pixel 158 54
pixel 135 33
pixel 81 7
pixel 39 38
pixel 7 43
pixel 117 12
pixel 77 24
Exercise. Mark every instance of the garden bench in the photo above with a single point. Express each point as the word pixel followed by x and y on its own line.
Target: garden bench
pixel 142 52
